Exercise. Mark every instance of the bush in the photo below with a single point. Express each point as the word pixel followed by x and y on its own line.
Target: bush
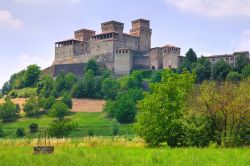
pixel 33 127
pixel 1 132
pixel 110 88
pixel 91 65
pixel 234 77
pixel 115 127
pixel 8 111
pixel 67 99
pixel 59 110
pixel 90 132
pixel 31 107
pixel 20 132
pixel 61 128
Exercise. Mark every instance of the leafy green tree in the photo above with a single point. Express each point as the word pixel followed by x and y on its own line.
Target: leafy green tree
pixel 60 84
pixel 203 70
pixel 71 79
pixel 234 77
pixel 61 128
pixel 246 71
pixel 67 99
pixel 31 107
pixel 156 76
pixel 31 76
pixel 46 103
pixel 59 110
pixel 45 86
pixel 89 83
pixel 135 79
pixel 110 88
pixel 241 62
pixel 161 110
pixel 6 88
pixel 8 111
pixel 91 65
pixel 220 70
pixel 191 56
pixel 110 108
pixel 78 90
pixel 20 132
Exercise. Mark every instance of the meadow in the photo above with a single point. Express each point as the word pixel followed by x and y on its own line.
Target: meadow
pixel 95 122
pixel 116 151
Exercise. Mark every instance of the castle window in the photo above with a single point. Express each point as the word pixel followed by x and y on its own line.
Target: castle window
pixel 126 51
pixel 123 51
pixel 120 52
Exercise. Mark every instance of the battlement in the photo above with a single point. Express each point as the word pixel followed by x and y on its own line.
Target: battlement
pixel 112 26
pixel 84 34
pixel 140 23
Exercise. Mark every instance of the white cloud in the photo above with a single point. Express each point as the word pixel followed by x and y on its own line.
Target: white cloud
pixel 214 8
pixel 244 43
pixel 7 20
pixel 44 1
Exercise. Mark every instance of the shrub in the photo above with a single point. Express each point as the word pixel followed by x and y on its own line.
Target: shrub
pixel 90 132
pixel 91 65
pixel 115 127
pixel 66 99
pixel 20 132
pixel 33 127
pixel 31 107
pixel 234 77
pixel 8 111
pixel 1 132
pixel 61 128
pixel 59 110
pixel 110 88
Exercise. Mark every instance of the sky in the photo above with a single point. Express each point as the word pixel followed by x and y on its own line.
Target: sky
pixel 29 28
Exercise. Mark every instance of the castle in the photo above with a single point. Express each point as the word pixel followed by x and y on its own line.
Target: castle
pixel 112 48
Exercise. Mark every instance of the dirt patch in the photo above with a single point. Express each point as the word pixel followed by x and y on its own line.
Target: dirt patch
pixel 88 105
pixel 19 101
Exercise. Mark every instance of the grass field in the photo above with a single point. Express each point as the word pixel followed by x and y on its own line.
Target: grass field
pixel 118 151
pixel 95 121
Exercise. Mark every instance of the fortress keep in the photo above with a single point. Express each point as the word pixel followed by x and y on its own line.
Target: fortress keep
pixel 118 51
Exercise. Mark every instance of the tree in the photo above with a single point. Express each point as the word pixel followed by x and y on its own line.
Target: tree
pixel 31 76
pixel 191 56
pixel 220 70
pixel 6 88
pixel 226 105
pixel 70 80
pixel 67 99
pixel 203 70
pixel 61 128
pixel 91 65
pixel 246 71
pixel 78 90
pixel 59 110
pixel 135 79
pixel 110 88
pixel 60 84
pixel 31 107
pixel 8 111
pixel 241 62
pixel 45 86
pixel 234 77
pixel 89 83
pixel 162 109
pixel 156 77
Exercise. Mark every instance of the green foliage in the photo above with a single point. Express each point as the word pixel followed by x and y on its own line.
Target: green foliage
pixel 203 70
pixel 156 76
pixel 89 83
pixel 1 131
pixel 33 127
pixel 31 76
pixel 78 91
pixel 234 77
pixel 46 103
pixel 31 107
pixel 241 62
pixel 20 132
pixel 110 108
pixel 115 127
pixel 59 110
pixel 6 88
pixel 220 70
pixel 191 56
pixel 135 79
pixel 110 88
pixel 61 128
pixel 67 99
pixel 91 65
pixel 90 132
pixel 22 93
pixel 246 71
pixel 45 86
pixel 8 111
pixel 161 110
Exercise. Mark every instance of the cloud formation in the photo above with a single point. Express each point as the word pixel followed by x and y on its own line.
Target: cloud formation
pixel 214 8
pixel 7 20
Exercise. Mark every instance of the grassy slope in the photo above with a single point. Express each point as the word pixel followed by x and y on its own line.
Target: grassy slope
pixel 86 121
pixel 122 155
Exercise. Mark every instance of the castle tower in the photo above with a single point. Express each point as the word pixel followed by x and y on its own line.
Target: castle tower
pixel 141 28
pixel 171 56
pixel 84 34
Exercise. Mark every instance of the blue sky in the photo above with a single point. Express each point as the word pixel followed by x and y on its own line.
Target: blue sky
pixel 29 28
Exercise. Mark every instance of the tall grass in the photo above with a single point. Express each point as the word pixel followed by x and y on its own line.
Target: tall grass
pixel 116 151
